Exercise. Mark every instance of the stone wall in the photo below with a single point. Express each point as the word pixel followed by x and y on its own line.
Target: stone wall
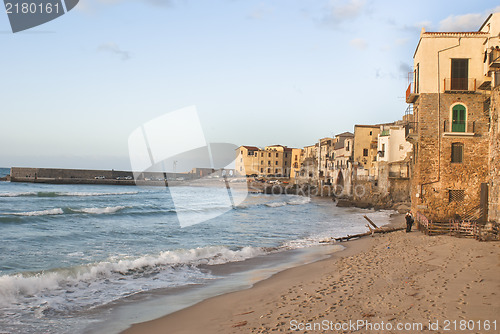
pixel 433 173
pixel 30 174
pixel 494 161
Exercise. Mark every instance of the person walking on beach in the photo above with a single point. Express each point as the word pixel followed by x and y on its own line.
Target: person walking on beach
pixel 409 221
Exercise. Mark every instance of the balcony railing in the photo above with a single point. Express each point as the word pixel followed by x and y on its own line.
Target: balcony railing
pixel 460 84
pixel 494 58
pixel 411 96
pixel 460 127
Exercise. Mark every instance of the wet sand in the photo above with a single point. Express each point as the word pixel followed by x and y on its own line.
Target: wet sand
pixel 377 284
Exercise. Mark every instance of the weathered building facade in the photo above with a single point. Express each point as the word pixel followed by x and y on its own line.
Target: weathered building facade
pixel 272 161
pixel 365 149
pixel 450 127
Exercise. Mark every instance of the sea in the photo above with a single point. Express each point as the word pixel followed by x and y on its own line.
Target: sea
pixel 97 258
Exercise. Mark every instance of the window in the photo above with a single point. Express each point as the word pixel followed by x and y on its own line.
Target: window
pixel 295 157
pixel 285 162
pixel 261 154
pixel 459 74
pixel 458 118
pixel 241 152
pixel 370 133
pixel 296 165
pixel 269 155
pixel 276 162
pixel 456 195
pixel 347 148
pixel 365 152
pixel 276 171
pixel 262 170
pixel 269 163
pixel 286 155
pixel 262 162
pixel 276 155
pixel 457 152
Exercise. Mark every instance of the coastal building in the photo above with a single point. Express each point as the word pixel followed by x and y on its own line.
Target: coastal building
pixel 393 149
pixel 494 161
pixel 450 122
pixel 365 150
pixel 272 161
pixel 342 161
pixel 296 163
pixel 278 160
pixel 246 162
pixel 492 74
pixel 309 166
pixel 324 160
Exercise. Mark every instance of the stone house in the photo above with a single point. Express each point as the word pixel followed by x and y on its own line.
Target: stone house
pixel 342 161
pixel 365 150
pixel 450 127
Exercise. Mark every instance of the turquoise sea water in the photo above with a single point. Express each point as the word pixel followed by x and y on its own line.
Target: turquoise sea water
pixel 66 250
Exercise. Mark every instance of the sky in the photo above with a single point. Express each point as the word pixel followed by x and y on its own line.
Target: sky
pixel 259 72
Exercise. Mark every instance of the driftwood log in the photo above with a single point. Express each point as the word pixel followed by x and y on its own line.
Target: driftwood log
pixel 370 221
pixel 371 232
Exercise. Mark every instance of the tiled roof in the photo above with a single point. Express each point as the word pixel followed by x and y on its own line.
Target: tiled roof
pixel 253 148
pixel 455 33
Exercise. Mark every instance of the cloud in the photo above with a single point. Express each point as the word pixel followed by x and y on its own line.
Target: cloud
pixel 417 27
pixel 358 43
pixel 467 22
pixel 90 6
pixel 402 41
pixel 404 68
pixel 260 12
pixel 113 48
pixel 339 12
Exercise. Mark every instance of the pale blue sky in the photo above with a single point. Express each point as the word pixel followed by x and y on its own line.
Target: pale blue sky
pixel 259 72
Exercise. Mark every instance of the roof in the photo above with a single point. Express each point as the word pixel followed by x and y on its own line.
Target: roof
pixel 482 26
pixel 345 134
pixel 253 148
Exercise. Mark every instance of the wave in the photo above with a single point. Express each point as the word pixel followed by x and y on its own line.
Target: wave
pixel 99 211
pixel 120 275
pixel 294 201
pixel 57 211
pixel 60 194
pixel 60 211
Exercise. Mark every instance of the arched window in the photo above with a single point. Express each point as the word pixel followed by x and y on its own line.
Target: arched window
pixel 458 118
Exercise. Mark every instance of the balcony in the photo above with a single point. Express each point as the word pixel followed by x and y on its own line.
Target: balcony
pixel 410 125
pixel 459 129
pixel 411 96
pixel 494 58
pixel 459 85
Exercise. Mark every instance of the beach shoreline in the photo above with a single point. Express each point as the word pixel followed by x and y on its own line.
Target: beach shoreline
pixel 397 278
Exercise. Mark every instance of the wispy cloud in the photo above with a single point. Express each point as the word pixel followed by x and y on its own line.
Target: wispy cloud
pixel 90 6
pixel 114 49
pixel 467 22
pixel 358 43
pixel 339 11
pixel 417 27
pixel 260 12
pixel 404 68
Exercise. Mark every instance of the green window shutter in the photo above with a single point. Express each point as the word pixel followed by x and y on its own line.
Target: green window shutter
pixel 458 119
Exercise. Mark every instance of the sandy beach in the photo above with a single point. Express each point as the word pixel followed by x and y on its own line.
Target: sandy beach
pixel 391 283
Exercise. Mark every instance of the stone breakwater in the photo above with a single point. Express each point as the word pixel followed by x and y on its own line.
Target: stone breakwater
pixel 70 176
